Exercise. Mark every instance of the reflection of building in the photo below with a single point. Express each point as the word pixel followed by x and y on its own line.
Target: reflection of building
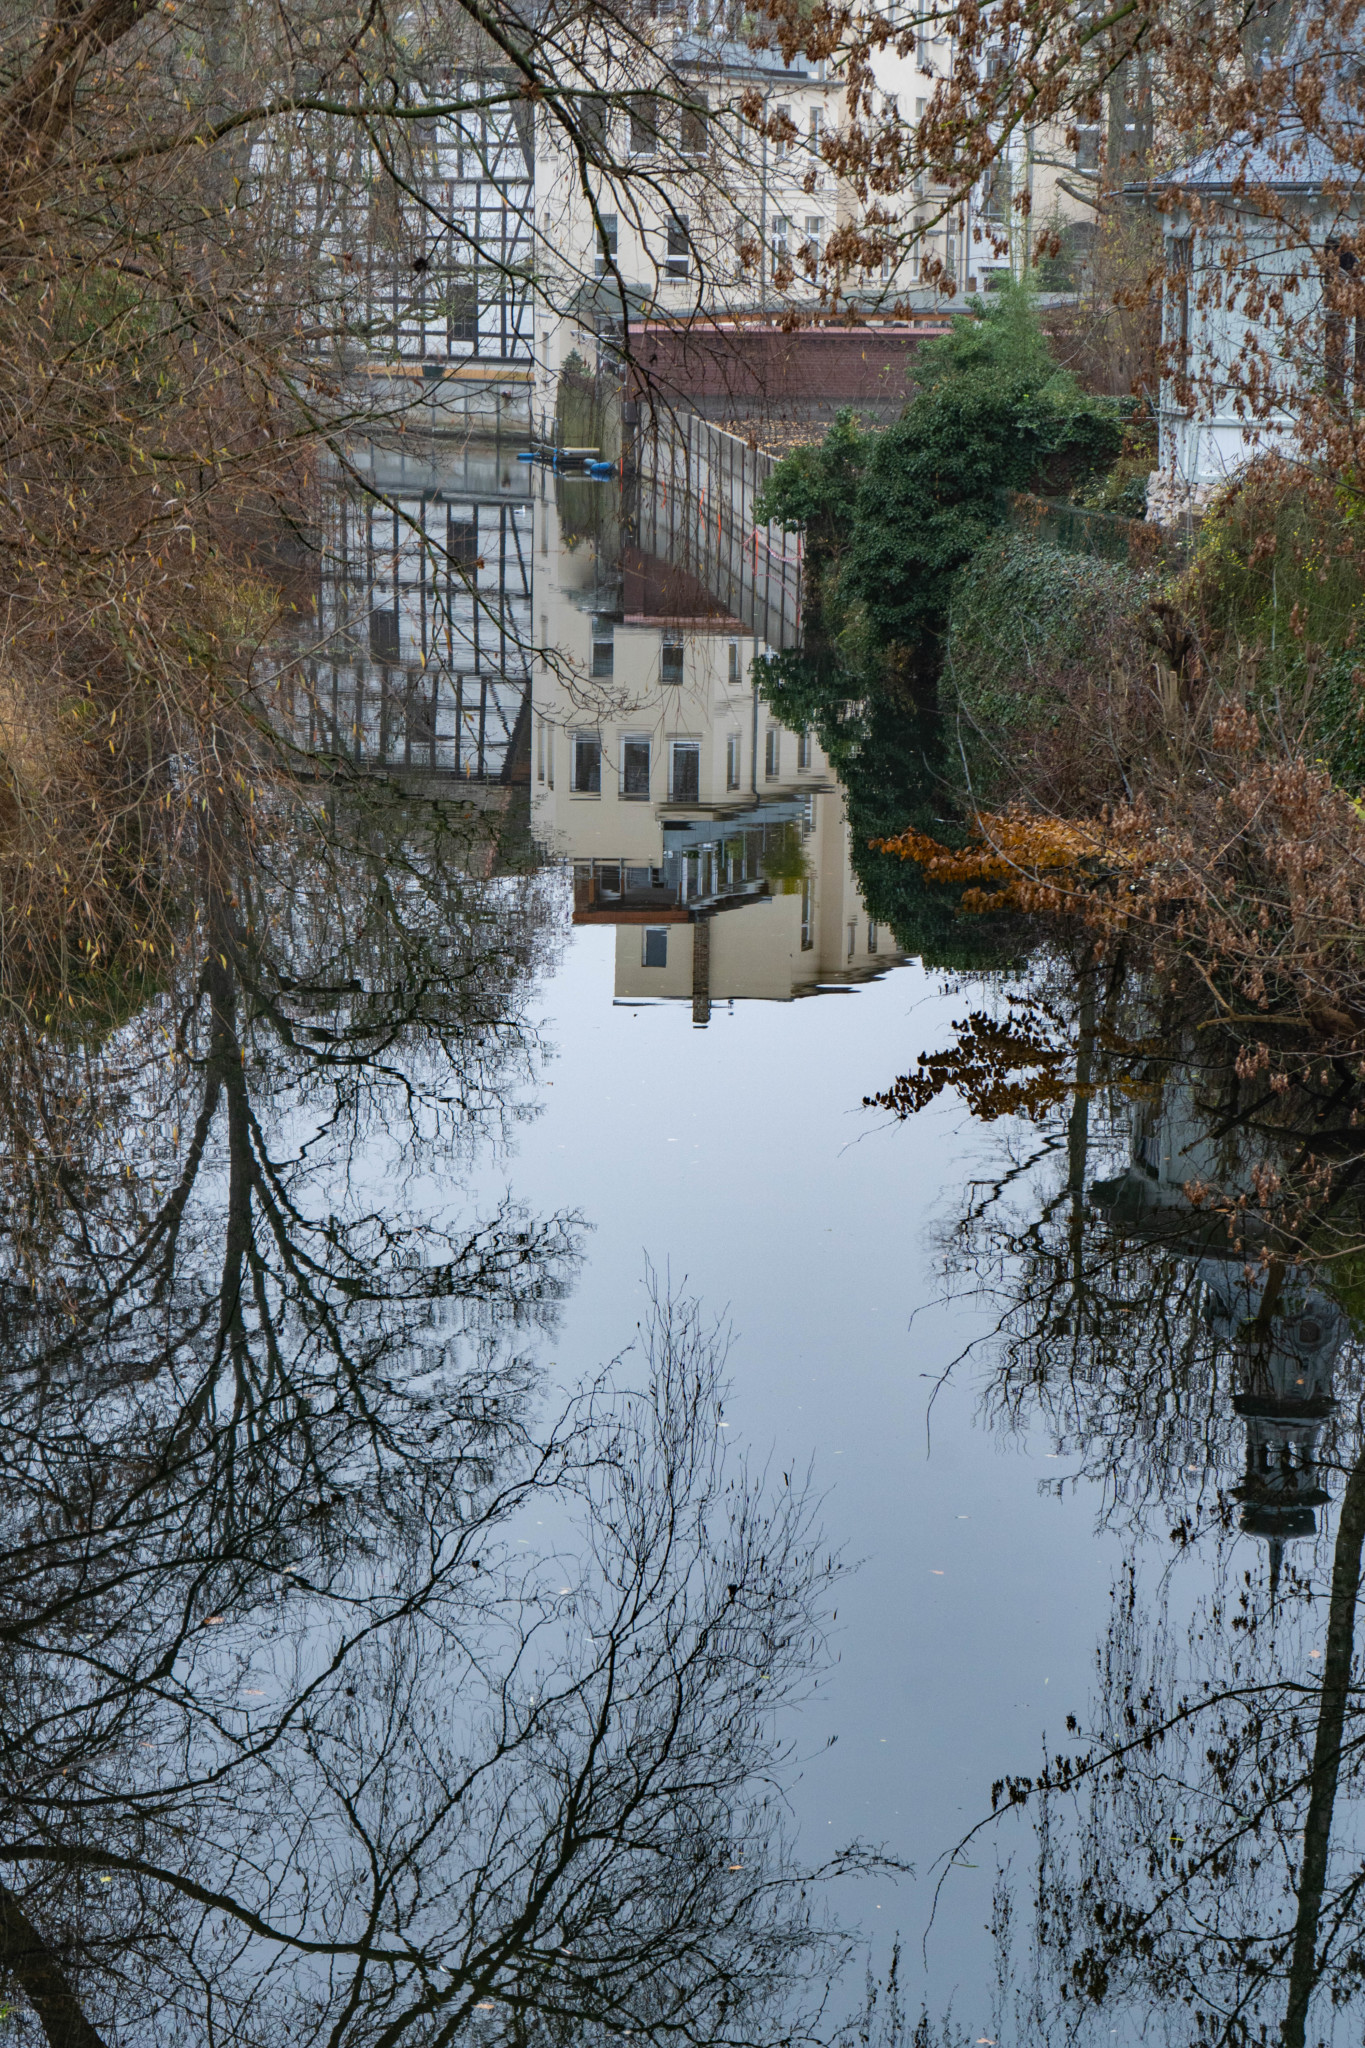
pixel 1285 1336
pixel 425 616
pixel 708 835
pixel 1282 1333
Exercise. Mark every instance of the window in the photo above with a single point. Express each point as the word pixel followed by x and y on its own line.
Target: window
pixel 635 770
pixel 815 235
pixel 852 938
pixel 593 115
pixel 778 237
pixel 732 761
pixel 587 764
pixel 684 781
pixel 807 915
pixel 803 749
pixel 644 124
pixel 781 143
pixel 655 950
pixel 1179 260
pixel 603 648
pixel 462 538
pixel 462 309
pixel 671 663
pixel 734 676
pixel 1087 149
pixel 871 936
pixel 772 752
pixel 1335 352
pixel 606 242
pixel 817 129
pixel 384 633
pixel 676 265
pixel 540 750
pixel 692 128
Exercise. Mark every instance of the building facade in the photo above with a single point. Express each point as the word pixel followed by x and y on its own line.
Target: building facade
pixel 708 836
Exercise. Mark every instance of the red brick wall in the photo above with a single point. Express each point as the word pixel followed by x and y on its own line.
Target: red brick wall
pixel 751 364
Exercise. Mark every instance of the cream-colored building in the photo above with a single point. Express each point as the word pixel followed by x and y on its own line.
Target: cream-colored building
pixel 713 194
pixel 710 837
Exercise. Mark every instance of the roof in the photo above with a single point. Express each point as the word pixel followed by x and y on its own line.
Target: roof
pixel 729 54
pixel 1293 158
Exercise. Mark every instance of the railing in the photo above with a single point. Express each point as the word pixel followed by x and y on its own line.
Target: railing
pixel 698 487
pixel 1079 531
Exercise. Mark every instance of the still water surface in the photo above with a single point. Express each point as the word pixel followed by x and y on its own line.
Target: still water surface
pixel 740 1159
pixel 351 1696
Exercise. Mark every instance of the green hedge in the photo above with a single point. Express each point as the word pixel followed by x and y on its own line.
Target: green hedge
pixel 1021 612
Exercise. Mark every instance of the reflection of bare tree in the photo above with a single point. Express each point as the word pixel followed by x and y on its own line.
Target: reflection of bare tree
pixel 1200 1864
pixel 309 1731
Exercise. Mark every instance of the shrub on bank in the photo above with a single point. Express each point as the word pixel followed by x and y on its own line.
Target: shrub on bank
pixel 1276 599
pixel 891 517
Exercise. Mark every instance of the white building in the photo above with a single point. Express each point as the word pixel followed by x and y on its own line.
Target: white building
pixel 1258 326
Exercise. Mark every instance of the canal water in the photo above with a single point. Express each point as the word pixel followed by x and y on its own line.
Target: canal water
pixel 603 1441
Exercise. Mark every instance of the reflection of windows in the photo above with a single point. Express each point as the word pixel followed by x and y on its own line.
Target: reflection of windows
pixel 692 128
pixel 676 265
pixel 384 634
pixel 781 143
pixel 587 764
pixel 772 752
pixel 603 648
pixel 803 749
pixel 644 124
pixel 684 777
pixel 635 768
pixel 734 664
pixel 671 663
pixel 780 227
pixel 606 241
pixel 852 938
pixel 815 234
pixel 872 936
pixel 807 915
pixel 817 123
pixel 732 761
pixel 655 950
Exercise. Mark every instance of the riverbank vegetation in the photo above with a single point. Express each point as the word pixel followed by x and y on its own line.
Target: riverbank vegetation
pixel 1170 744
